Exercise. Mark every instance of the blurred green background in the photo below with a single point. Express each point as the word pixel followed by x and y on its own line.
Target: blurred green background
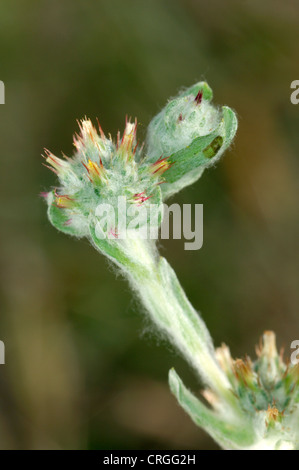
pixel 84 368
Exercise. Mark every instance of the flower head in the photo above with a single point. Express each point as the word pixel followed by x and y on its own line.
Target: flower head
pixel 188 135
pixel 267 399
pixel 192 134
pixel 100 173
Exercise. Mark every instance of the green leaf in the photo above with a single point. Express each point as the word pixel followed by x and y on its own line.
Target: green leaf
pixel 189 163
pixel 117 251
pixel 207 92
pixel 228 434
pixel 230 124
pixel 192 134
pixel 190 157
pixel 61 220
pixel 180 121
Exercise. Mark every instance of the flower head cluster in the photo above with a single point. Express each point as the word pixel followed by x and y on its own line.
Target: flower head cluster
pixel 187 136
pixel 267 383
pixel 100 171
pixel 267 396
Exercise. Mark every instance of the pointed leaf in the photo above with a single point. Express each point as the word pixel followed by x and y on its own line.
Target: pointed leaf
pixel 229 435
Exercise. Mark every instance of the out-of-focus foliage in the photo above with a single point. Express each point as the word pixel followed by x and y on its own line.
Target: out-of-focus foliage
pixel 79 373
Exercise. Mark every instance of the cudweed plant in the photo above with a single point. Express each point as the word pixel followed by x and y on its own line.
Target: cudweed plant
pixel 247 404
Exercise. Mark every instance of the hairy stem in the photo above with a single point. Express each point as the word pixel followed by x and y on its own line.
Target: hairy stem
pixel 163 297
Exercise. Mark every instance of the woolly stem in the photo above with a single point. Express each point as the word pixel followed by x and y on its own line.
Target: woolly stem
pixel 163 297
